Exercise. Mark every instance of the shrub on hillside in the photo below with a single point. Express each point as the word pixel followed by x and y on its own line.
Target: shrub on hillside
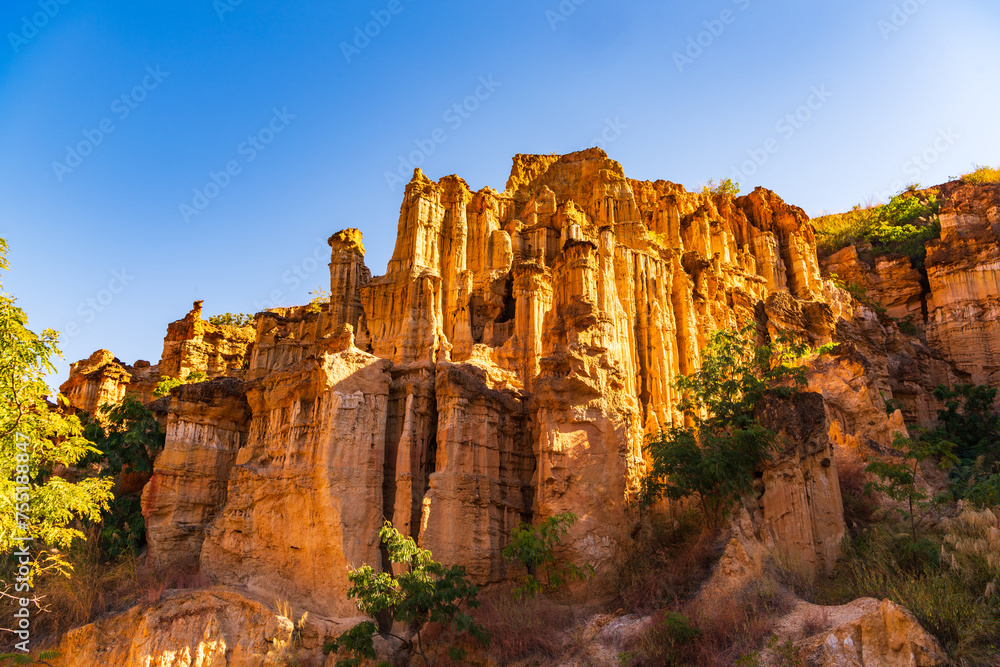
pixel 982 175
pixel 903 227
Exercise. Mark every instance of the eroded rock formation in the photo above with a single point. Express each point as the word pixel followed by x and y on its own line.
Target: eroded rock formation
pixel 952 300
pixel 193 344
pixel 102 379
pixel 185 629
pixel 506 368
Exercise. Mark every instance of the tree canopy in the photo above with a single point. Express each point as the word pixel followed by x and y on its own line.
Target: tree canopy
pixel 38 442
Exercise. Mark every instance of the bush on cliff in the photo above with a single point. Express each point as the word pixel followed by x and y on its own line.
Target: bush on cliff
pixel 426 592
pixel 713 457
pixel 126 440
pixel 232 319
pixel 982 175
pixel 534 548
pixel 903 227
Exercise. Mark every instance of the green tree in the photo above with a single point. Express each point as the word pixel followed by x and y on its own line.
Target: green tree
pixel 426 592
pixel 24 659
pixel 232 319
pixel 36 442
pixel 726 187
pixel 899 482
pixel 534 547
pixel 127 438
pixel 713 456
pixel 165 384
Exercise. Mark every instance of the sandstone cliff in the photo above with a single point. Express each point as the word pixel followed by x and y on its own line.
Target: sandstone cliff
pixel 951 299
pixel 506 368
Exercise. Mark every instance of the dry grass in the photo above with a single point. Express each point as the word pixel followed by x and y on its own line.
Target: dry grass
pixel 982 175
pixel 948 579
pixel 816 621
pixel 712 635
pixel 533 627
pixel 671 560
pixel 94 589
pixel 859 507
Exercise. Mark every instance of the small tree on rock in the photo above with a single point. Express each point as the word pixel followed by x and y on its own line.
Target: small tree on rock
pixel 533 547
pixel 714 455
pixel 427 592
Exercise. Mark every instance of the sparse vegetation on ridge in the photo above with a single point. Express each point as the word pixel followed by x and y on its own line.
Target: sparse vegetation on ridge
pixel 903 226
pixel 938 558
pixel 982 175
pixel 232 319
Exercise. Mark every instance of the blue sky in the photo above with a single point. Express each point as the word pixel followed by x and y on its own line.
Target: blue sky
pixel 276 124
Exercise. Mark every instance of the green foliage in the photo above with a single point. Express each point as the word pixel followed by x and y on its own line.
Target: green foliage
pixel 165 384
pixel 657 238
pixel 232 319
pixel 907 326
pixel 25 659
pixel 898 481
pixel 982 175
pixel 950 588
pixel 714 458
pixel 968 421
pixel 321 297
pixel 727 187
pixel 903 226
pixel 126 439
pixel 426 592
pixel 36 439
pixel 533 547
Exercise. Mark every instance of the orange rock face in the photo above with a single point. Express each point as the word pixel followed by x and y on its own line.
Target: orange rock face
pixel 963 268
pixel 193 344
pixel 504 369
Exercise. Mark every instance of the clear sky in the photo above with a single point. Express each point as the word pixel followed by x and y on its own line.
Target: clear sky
pixel 154 153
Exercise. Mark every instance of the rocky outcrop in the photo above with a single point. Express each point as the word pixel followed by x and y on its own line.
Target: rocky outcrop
pixel 304 500
pixel 869 633
pixel 196 345
pixel 890 280
pixel 963 270
pixel 102 379
pixel 206 425
pixel 799 503
pixel 184 629
pixel 951 301
pixel 505 368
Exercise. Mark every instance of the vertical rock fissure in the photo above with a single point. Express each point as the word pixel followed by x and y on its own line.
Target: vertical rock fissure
pixel 428 467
